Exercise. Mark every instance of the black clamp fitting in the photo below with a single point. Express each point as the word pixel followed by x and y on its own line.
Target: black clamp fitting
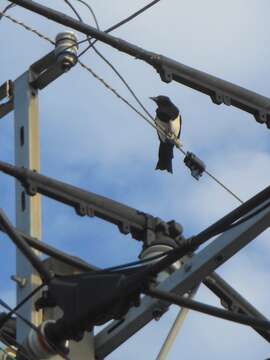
pixel 196 165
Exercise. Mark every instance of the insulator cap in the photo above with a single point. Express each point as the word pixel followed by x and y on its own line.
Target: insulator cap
pixel 158 249
pixel 66 49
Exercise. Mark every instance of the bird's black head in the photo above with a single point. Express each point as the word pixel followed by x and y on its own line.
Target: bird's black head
pixel 162 100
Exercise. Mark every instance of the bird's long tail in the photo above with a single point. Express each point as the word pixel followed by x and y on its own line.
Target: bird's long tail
pixel 165 156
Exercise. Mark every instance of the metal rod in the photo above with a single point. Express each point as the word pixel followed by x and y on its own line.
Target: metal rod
pixel 59 255
pixel 232 300
pixel 193 271
pixel 24 248
pixel 178 323
pixel 208 309
pixel 219 90
pixel 168 343
pixel 176 327
pixel 220 225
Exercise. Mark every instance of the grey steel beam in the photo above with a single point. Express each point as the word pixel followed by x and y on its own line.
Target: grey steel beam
pixel 208 309
pixel 192 272
pixel 233 301
pixel 28 209
pixel 219 90
pixel 24 101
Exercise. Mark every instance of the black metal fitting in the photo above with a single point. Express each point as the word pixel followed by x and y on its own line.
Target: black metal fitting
pixel 196 165
pixel 175 229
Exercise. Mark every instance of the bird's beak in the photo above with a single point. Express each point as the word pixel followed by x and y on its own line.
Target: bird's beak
pixel 153 98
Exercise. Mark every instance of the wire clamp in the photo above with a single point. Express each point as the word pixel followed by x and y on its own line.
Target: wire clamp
pixel 196 165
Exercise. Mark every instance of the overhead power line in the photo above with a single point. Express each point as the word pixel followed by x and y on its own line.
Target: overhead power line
pixel 151 123
pixel 6 9
pixel 132 16
pixel 122 22
pixel 92 12
pixel 31 325
pixel 109 63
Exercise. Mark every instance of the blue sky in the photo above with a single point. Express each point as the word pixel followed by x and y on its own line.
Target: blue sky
pixel 92 140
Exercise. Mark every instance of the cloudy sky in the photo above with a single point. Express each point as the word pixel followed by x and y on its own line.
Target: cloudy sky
pixel 92 140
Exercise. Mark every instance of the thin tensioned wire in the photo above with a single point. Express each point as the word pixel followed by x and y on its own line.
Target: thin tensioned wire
pixel 92 12
pixel 14 311
pixel 173 139
pixel 122 22
pixel 91 45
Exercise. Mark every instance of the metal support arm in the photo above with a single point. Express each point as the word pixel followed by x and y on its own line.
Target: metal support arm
pixel 142 226
pixel 192 272
pixel 233 301
pixel 209 310
pixel 51 251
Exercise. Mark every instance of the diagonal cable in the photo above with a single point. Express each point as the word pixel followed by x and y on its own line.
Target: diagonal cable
pixel 174 140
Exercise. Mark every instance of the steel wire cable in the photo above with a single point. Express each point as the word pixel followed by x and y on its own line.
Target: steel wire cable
pixel 175 141
pixel 91 11
pixel 14 311
pixel 20 348
pixel 9 6
pixel 109 63
pixel 122 22
pixel 91 44
pixel 21 303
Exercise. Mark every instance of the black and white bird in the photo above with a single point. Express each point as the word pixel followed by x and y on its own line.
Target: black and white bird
pixel 169 119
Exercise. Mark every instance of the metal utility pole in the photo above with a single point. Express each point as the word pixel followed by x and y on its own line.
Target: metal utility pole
pixel 28 210
pixel 22 95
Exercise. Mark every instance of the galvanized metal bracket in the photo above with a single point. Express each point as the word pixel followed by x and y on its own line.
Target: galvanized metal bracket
pixel 6 92
pixel 56 63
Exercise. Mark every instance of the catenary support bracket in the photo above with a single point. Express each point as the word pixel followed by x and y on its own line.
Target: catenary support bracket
pixel 193 271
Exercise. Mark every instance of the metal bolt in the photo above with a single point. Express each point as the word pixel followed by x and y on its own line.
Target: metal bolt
pixel 20 281
pixel 157 313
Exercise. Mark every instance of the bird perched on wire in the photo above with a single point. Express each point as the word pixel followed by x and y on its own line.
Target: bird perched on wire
pixel 169 120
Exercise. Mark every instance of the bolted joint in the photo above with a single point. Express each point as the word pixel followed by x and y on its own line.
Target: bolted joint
pixel 175 229
pixel 66 49
pixel 20 281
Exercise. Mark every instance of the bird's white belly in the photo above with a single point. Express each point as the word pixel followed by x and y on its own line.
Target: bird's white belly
pixel 173 127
